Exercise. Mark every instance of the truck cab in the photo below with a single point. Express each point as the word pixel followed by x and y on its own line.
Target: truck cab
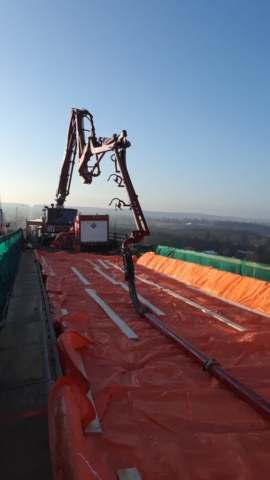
pixel 56 220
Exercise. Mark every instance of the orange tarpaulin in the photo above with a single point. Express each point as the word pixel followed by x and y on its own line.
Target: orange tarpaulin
pixel 250 292
pixel 159 412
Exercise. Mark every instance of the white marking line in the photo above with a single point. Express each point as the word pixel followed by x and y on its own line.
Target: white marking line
pixel 125 287
pixel 83 280
pixel 196 305
pixel 94 426
pixel 106 276
pixel 117 320
pixel 104 264
pixel 208 312
pixel 92 263
pixel 239 305
pixel 113 265
pixel 44 261
pixel 150 283
pixel 222 299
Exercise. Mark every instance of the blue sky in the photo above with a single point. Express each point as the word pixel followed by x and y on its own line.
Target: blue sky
pixel 188 80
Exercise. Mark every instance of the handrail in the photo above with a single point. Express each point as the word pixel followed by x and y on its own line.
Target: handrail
pixel 58 369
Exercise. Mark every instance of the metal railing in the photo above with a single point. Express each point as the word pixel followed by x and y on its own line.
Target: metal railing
pixel 118 236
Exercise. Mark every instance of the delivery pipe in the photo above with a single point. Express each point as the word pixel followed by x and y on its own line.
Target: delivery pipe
pixel 209 365
pixel 213 368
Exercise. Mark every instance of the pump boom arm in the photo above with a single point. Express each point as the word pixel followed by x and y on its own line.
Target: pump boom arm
pixel 85 149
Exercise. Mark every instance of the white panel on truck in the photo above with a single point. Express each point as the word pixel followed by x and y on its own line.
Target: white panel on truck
pixel 94 231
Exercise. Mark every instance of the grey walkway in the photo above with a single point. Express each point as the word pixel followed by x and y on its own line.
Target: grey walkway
pixel 27 373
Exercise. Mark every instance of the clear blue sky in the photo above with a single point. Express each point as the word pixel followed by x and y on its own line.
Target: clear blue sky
pixel 188 80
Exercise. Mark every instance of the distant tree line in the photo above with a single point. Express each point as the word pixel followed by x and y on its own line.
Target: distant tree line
pixel 225 242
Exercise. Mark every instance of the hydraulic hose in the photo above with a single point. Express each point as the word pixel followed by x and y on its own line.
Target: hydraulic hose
pixel 209 365
pixel 130 279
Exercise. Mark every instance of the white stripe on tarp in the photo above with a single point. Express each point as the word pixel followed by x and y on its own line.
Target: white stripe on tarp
pixel 239 305
pixel 208 312
pixel 117 320
pixel 106 276
pixel 195 305
pixel 94 425
pixel 64 311
pixel 104 264
pixel 83 280
pixel 92 263
pixel 149 283
pixel 113 265
pixel 125 287
pixel 44 261
pixel 222 299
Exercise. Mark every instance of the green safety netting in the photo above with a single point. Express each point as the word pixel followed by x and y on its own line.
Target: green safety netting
pixel 256 270
pixel 226 264
pixel 10 252
pixel 206 260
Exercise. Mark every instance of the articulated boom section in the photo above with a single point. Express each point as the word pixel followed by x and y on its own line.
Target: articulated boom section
pixel 142 228
pixel 75 141
pixel 117 144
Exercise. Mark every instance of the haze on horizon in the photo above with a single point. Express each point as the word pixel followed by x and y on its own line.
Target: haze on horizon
pixel 189 81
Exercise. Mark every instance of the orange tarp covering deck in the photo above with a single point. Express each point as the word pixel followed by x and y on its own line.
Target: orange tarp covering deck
pixel 250 292
pixel 159 412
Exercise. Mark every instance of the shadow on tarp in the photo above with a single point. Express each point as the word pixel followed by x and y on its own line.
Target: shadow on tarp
pixel 10 251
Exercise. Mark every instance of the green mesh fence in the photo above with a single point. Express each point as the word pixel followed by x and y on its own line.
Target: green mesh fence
pixel 164 251
pixel 10 252
pixel 256 270
pixel 226 264
pixel 220 263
